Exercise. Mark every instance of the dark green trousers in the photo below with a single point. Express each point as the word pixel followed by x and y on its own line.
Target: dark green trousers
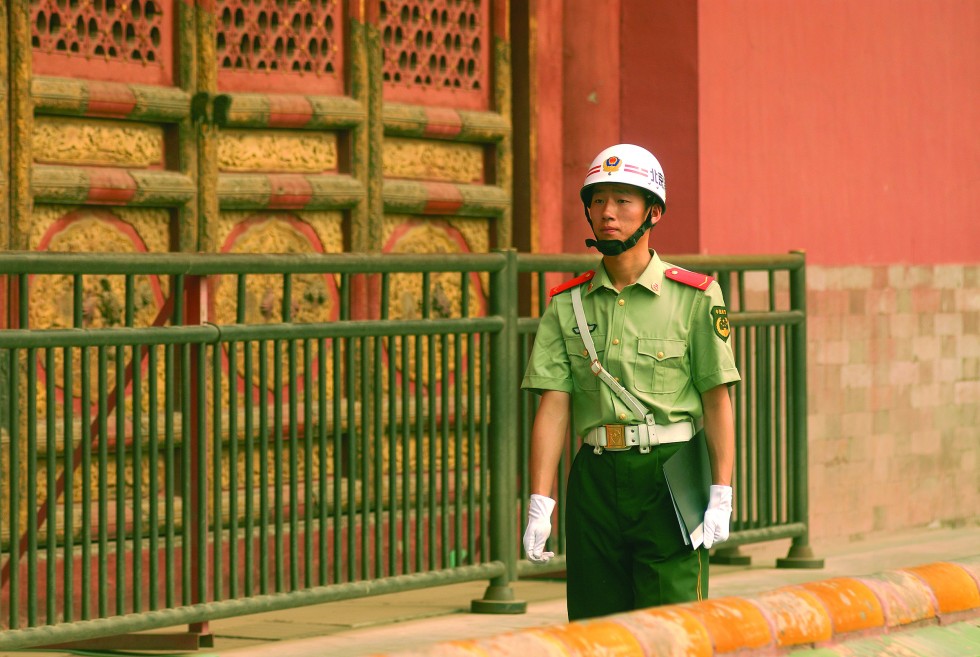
pixel 624 548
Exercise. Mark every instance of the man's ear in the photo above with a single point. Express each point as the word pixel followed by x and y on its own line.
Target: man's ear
pixel 655 213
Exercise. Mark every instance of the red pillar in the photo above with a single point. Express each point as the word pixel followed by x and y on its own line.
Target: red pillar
pixel 659 46
pixel 547 120
pixel 591 100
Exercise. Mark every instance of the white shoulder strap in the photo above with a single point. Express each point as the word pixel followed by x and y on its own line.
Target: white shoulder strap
pixel 583 328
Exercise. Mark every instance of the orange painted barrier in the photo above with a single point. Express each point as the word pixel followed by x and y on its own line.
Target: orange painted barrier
pixel 816 614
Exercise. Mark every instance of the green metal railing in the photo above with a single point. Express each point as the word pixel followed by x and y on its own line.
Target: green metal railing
pixel 168 463
pixel 192 437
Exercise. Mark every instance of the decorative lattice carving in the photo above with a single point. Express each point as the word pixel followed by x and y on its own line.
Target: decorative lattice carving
pixel 306 151
pixel 113 30
pixel 428 159
pixel 76 141
pixel 280 36
pixel 436 44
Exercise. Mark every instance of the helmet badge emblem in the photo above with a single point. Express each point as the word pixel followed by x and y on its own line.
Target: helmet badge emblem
pixel 611 164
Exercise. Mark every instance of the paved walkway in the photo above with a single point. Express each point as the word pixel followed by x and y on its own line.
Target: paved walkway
pixel 416 619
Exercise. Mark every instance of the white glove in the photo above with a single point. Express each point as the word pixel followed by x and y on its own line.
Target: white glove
pixel 718 515
pixel 538 528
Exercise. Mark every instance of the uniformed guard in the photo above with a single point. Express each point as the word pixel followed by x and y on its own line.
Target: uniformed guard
pixel 638 355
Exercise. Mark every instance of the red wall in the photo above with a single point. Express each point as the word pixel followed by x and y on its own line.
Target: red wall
pixel 849 129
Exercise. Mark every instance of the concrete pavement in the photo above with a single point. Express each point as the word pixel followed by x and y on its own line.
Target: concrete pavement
pixel 416 620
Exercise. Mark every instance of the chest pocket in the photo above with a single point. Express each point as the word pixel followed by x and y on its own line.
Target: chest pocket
pixel 581 363
pixel 659 366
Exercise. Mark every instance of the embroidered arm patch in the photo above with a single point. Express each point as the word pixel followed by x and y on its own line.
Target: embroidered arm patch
pixel 719 322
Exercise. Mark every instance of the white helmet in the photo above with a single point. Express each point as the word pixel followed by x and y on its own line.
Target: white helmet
pixel 629 165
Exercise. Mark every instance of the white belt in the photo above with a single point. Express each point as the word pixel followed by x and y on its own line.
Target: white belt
pixel 617 437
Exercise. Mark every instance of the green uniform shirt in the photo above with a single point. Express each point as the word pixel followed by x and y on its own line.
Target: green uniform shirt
pixel 665 341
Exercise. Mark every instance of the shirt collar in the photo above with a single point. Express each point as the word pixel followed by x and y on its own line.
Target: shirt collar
pixel 652 277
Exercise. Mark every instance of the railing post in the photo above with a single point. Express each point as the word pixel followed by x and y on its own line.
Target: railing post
pixel 800 553
pixel 499 596
pixel 196 312
pixel 731 555
pixel 5 296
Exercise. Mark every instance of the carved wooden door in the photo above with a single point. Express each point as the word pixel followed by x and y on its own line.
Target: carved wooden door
pixel 250 126
pixel 258 125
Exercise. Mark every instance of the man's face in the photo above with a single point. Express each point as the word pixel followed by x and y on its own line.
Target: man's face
pixel 617 210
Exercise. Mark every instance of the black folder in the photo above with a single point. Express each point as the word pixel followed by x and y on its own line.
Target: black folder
pixel 688 474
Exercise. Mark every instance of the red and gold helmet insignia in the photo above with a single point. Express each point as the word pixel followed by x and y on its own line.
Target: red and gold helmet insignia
pixel 612 163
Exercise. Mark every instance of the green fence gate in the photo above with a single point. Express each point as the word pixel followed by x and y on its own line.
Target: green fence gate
pixel 194 437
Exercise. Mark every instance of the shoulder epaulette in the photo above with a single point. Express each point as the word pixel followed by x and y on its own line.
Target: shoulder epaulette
pixel 687 277
pixel 567 285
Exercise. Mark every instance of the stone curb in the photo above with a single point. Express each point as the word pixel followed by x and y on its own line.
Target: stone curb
pixel 814 614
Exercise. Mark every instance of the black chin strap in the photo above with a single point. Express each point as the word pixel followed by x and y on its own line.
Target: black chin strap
pixel 615 247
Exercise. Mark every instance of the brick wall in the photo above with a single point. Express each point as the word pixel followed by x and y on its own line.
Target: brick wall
pixel 894 398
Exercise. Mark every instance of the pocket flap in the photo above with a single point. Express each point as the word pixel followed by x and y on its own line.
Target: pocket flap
pixel 575 346
pixel 661 349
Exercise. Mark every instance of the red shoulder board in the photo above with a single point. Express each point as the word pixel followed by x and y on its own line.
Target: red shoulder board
pixel 692 278
pixel 567 285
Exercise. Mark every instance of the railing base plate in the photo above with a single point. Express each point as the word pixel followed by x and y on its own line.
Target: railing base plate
pixel 182 641
pixel 800 557
pixel 498 600
pixel 498 607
